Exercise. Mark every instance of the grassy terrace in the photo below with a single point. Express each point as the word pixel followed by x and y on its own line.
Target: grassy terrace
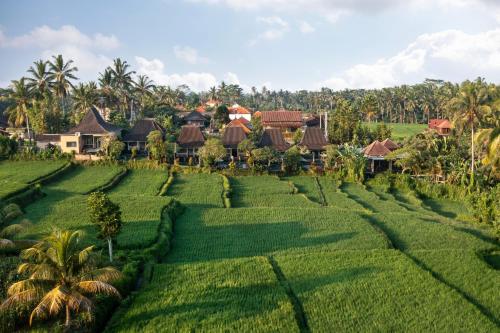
pixel 65 204
pixel 400 131
pixel 16 175
pixel 331 257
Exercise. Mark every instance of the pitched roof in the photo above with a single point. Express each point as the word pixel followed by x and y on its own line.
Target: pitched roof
pixel 141 130
pixel 238 109
pixel 376 149
pixel 194 116
pixel 93 123
pixel 389 144
pixel 245 121
pixel 438 123
pixel 190 137
pixel 272 137
pixel 239 123
pixel 314 139
pixel 444 124
pixel 282 118
pixel 233 136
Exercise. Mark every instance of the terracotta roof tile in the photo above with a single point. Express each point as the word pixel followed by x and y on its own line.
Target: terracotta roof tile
pixel 389 144
pixel 238 109
pixel 282 119
pixel 239 123
pixel 376 149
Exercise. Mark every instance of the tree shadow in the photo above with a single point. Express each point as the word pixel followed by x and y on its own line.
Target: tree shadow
pixel 439 208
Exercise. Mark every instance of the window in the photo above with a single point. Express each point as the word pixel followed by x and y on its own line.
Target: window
pixel 71 144
pixel 88 141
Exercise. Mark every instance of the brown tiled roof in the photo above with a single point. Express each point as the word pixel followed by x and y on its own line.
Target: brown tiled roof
pixel 233 136
pixel 239 123
pixel 141 130
pixel 190 137
pixel 436 123
pixel 93 123
pixel 389 144
pixel 272 137
pixel 48 137
pixel 314 139
pixel 194 116
pixel 282 119
pixel 376 149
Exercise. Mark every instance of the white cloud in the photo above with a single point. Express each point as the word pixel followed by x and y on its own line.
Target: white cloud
pixel 155 69
pixel 450 55
pixel 306 28
pixel 189 55
pixel 275 26
pixel 86 51
pixel 333 9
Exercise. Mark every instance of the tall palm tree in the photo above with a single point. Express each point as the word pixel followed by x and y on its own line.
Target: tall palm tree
pixel 122 81
pixel 61 277
pixel 84 98
pixel 41 79
pixel 61 73
pixel 20 95
pixel 471 102
pixel 143 89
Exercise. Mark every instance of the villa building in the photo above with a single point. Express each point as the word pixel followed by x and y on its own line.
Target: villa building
pixel 286 121
pixel 441 126
pixel 86 137
pixel 189 141
pixel 231 138
pixel 273 137
pixel 138 135
pixel 236 112
pixel 314 140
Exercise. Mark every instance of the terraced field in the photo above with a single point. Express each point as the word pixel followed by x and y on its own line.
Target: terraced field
pixel 15 175
pixel 332 257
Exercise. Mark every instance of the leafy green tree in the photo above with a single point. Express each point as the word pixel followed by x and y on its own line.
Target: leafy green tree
pixel 212 151
pixel 331 156
pixel 61 278
pixel 382 132
pixel 246 146
pixel 262 157
pixel 221 115
pixel 156 146
pixel 106 215
pixel 112 147
pixel 257 130
pixel 118 119
pixel 8 147
pixel 353 163
pixel 297 136
pixel 291 160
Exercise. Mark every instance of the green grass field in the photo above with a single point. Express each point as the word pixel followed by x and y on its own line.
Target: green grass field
pixel 400 131
pixel 293 254
pixel 16 175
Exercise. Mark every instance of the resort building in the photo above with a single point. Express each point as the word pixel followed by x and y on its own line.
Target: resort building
pixel 242 123
pixel 375 153
pixel 441 126
pixel 273 137
pixel 86 137
pixel 138 135
pixel 189 141
pixel 314 140
pixel 195 118
pixel 286 121
pixel 231 138
pixel 236 112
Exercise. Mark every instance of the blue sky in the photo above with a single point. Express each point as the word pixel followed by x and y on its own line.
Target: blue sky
pixel 289 44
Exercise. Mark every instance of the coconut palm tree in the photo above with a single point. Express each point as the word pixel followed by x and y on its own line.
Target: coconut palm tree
pixel 60 278
pixel 84 98
pixel 61 73
pixel 122 82
pixel 20 95
pixel 143 89
pixel 41 79
pixel 469 106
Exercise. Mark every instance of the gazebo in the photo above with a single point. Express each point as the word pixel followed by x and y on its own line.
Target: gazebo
pixel 376 152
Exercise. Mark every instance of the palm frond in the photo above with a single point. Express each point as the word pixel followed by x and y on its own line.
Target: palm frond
pixel 97 287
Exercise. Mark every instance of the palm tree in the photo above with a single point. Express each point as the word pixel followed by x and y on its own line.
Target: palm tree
pixel 20 95
pixel 471 102
pixel 84 98
pixel 143 89
pixel 122 81
pixel 61 73
pixel 61 277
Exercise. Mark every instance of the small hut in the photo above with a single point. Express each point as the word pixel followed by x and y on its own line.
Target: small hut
pixel 272 137
pixel 376 153
pixel 190 140
pixel 231 139
pixel 314 140
pixel 138 135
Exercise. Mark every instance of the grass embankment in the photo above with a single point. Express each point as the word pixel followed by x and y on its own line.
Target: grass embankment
pixel 17 175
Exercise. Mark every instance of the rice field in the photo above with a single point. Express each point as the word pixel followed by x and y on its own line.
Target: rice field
pixel 300 253
pixel 401 131
pixel 15 175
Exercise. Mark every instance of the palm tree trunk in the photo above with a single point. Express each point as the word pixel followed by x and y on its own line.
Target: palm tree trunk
pixel 28 126
pixel 110 249
pixel 68 316
pixel 472 149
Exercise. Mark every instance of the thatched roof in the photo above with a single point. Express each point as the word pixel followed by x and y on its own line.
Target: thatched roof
pixel 141 130
pixel 233 136
pixel 190 137
pixel 272 137
pixel 93 123
pixel 314 139
pixel 194 116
